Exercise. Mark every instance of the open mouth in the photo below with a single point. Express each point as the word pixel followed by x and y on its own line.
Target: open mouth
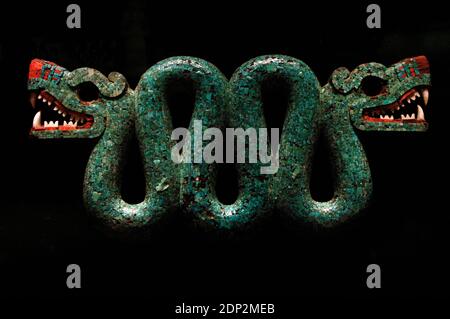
pixel 53 115
pixel 410 108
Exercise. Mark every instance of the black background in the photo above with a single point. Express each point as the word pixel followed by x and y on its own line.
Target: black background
pixel 43 226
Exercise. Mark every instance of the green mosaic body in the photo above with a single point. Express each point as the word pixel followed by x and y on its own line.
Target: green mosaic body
pixel 336 111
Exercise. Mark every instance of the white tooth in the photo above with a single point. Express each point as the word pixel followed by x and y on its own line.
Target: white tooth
pixel 413 117
pixel 64 123
pixel 409 100
pixel 392 117
pixel 37 120
pixel 75 123
pixel 425 94
pixel 56 123
pixel 403 105
pixel 33 99
pixel 55 109
pixel 44 100
pixel 381 116
pixel 398 108
pixel 59 111
pixel 39 97
pixel 417 94
pixel 49 103
pixel 413 97
pixel 407 117
pixel 420 113
pixel 70 123
pixel 64 114
pixel 45 124
pixel 403 117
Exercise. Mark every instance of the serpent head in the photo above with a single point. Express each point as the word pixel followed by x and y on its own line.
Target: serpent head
pixel 383 98
pixel 71 104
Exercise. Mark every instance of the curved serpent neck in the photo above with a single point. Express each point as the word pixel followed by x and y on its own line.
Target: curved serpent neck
pixel 352 179
pixel 352 176
pixel 103 177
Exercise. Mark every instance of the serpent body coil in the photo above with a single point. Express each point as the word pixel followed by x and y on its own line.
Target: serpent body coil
pixel 371 97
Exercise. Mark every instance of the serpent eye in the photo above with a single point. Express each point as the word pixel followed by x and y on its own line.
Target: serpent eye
pixel 87 92
pixel 373 85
